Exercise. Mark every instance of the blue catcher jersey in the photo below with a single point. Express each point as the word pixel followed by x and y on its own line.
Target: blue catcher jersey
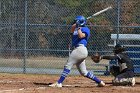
pixel 76 40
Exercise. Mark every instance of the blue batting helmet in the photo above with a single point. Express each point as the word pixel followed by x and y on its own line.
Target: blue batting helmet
pixel 80 20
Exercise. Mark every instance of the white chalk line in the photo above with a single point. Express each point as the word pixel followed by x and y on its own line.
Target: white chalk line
pixel 12 90
pixel 38 88
pixel 21 89
pixel 12 81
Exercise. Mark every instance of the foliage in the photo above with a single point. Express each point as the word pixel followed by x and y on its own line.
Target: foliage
pixel 54 17
pixel 71 3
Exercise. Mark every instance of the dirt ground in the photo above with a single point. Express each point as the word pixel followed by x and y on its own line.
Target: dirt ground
pixel 34 83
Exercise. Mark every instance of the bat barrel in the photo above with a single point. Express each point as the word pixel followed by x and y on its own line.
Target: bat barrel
pixel 104 10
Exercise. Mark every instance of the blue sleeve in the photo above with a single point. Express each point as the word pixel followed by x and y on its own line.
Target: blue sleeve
pixel 86 31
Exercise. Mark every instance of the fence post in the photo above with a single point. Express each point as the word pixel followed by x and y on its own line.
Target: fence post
pixel 25 40
pixel 118 21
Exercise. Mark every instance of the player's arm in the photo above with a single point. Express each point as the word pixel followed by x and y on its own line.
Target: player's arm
pixel 73 28
pixel 110 57
pixel 80 33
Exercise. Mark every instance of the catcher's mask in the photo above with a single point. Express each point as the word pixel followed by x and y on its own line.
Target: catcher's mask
pixel 80 20
pixel 118 49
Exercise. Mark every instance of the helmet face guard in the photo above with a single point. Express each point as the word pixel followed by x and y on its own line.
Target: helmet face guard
pixel 118 49
pixel 80 21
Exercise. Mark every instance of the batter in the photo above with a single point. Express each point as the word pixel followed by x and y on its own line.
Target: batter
pixel 80 35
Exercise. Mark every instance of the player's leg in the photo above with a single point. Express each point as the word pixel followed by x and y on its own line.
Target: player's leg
pixel 74 56
pixel 70 62
pixel 83 71
pixel 115 70
pixel 126 78
pixel 73 59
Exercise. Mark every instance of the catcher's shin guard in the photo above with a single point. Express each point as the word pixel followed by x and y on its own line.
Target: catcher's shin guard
pixel 124 82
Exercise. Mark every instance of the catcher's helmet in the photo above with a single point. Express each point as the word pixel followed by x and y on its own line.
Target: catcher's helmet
pixel 80 20
pixel 118 48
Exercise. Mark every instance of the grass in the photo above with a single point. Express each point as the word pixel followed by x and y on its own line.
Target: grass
pixel 45 62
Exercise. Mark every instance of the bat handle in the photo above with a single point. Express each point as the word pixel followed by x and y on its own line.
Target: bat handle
pixel 89 17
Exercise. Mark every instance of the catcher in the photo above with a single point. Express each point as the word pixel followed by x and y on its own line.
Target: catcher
pixel 124 72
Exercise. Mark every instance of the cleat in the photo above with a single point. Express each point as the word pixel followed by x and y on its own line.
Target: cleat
pixel 133 82
pixel 101 84
pixel 56 85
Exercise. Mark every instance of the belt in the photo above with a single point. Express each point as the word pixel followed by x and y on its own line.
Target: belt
pixel 80 45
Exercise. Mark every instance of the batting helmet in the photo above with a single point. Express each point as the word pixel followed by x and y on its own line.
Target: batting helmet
pixel 118 48
pixel 80 20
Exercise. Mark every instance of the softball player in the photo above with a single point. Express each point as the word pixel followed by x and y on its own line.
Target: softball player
pixel 124 72
pixel 80 36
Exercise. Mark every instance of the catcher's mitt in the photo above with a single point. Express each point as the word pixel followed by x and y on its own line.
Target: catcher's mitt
pixel 96 58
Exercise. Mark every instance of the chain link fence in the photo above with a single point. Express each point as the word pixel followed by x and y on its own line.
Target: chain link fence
pixel 35 34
